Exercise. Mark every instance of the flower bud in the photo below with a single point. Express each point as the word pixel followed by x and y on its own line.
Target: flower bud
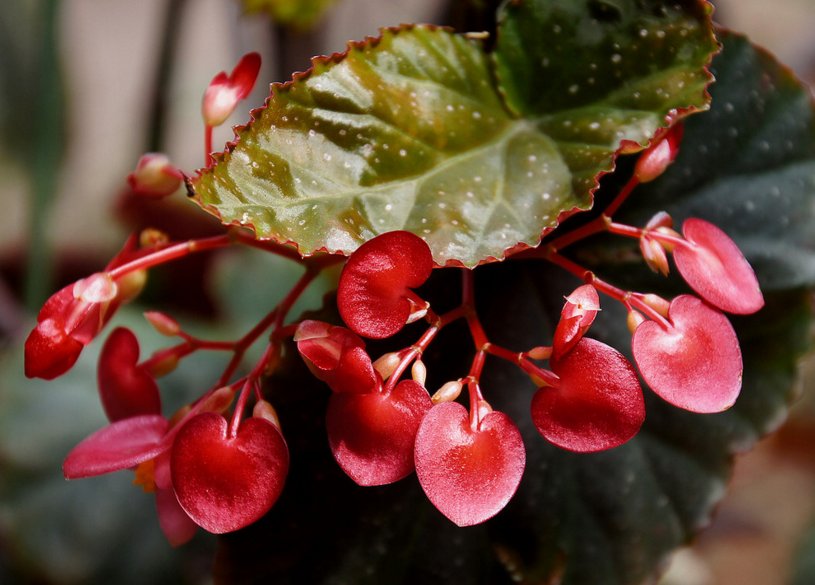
pixel 151 238
pixel 155 176
pixel 633 320
pixel 657 303
pixel 387 364
pixel 539 353
pixel 419 372
pixel 163 323
pixel 225 91
pixel 266 411
pixel 654 255
pixel 448 392
pixel 164 366
pixel 218 401
pixel 657 157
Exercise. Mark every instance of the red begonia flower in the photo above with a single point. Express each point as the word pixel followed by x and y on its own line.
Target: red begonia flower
pixel 715 268
pixel 578 314
pixel 372 435
pixel 695 361
pixel 374 296
pixel 468 473
pixel 598 403
pixel 120 445
pixel 223 482
pixel 125 388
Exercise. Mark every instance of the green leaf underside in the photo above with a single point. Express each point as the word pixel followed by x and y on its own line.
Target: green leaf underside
pixel 408 131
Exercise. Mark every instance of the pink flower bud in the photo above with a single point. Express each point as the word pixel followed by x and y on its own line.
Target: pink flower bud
pixel 225 91
pixel 657 157
pixel 155 176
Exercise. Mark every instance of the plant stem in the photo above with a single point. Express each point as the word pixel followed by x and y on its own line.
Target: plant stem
pixel 45 156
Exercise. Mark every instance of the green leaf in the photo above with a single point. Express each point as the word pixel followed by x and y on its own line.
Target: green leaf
pixel 408 131
pixel 301 14
pixel 635 60
pixel 748 166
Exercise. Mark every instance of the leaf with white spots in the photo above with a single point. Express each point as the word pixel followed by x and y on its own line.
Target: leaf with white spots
pixel 408 131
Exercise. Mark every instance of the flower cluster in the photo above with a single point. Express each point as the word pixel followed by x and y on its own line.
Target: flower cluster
pixel 214 465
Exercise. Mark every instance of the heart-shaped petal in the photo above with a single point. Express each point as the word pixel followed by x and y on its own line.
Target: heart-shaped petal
pixel 373 293
pixel 372 434
pixel 120 445
pixel 695 362
pixel 598 403
pixel 468 474
pixel 716 269
pixel 225 483
pixel 125 389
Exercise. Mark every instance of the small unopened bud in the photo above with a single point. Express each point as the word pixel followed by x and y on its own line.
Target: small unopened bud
pixel 448 392
pixel 657 157
pixel 97 288
pixel 155 176
pixel 387 364
pixel 539 353
pixel 419 372
pixel 660 219
pixel 225 91
pixel 266 411
pixel 633 321
pixel 164 366
pixel 151 237
pixel 131 285
pixel 654 255
pixel 417 312
pixel 163 323
pixel 657 303
pixel 667 231
pixel 484 409
pixel 219 401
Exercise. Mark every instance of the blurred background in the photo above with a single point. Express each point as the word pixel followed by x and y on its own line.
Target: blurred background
pixel 86 86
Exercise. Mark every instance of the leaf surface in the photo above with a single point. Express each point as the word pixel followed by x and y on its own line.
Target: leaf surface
pixel 409 131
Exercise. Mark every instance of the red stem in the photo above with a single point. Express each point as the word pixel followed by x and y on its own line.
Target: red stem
pixel 627 298
pixel 170 253
pixel 207 145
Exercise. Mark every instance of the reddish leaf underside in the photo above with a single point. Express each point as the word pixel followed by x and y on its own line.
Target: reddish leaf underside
pixel 469 475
